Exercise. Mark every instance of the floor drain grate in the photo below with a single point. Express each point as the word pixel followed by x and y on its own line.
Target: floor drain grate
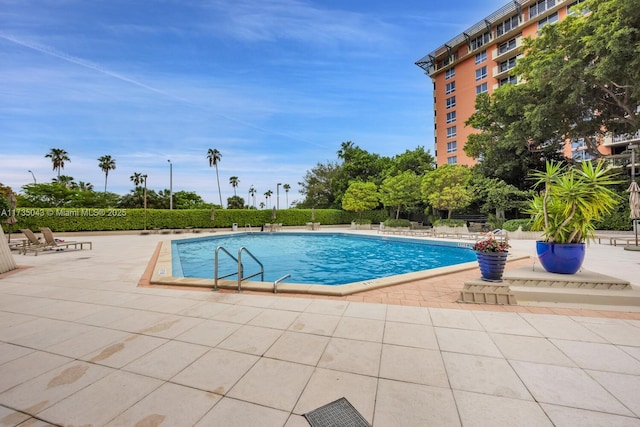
pixel 336 414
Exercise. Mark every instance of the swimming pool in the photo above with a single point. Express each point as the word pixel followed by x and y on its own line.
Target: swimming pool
pixel 318 258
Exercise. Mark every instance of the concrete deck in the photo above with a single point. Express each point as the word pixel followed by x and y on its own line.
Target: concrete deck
pixel 81 344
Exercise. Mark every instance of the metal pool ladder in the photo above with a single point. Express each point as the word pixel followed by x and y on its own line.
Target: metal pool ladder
pixel 240 271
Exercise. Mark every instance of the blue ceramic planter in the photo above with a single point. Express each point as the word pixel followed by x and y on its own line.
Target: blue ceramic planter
pixel 561 258
pixel 492 265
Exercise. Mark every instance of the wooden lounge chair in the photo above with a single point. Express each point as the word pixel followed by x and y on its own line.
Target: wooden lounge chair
pixel 32 243
pixel 52 243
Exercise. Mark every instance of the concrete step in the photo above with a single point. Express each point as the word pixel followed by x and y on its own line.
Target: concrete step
pixel 528 286
pixel 527 294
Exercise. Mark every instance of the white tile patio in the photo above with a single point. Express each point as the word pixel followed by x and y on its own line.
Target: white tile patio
pixel 80 343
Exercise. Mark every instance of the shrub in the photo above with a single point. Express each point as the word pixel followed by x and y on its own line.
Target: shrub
pixel 397 223
pixel 513 224
pixel 450 223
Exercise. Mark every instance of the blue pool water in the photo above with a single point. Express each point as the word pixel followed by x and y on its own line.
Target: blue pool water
pixel 318 258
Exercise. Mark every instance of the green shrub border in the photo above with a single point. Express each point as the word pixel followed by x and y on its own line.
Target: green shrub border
pixel 82 219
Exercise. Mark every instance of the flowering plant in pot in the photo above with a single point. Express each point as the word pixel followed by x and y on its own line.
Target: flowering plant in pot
pixel 491 244
pixel 492 257
pixel 571 201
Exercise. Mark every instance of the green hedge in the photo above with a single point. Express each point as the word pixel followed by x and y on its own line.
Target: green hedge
pixel 63 219
pixel 513 224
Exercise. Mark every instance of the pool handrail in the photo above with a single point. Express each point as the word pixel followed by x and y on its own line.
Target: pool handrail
pixel 241 267
pixel 215 267
pixel 277 281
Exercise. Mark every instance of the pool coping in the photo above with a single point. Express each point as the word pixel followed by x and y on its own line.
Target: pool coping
pixel 160 267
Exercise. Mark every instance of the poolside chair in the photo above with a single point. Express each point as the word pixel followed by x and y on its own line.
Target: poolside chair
pixel 32 243
pixel 58 244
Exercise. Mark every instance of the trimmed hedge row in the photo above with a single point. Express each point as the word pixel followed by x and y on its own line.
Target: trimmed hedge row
pixel 64 219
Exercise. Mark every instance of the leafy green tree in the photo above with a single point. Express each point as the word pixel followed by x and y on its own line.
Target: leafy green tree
pixel 92 199
pixel 82 186
pixel 496 197
pixel 58 156
pixel 135 199
pixel 45 195
pixel 447 188
pixel 189 200
pixel 214 157
pixel 234 181
pixel 358 165
pixel 318 186
pixel 417 160
pixel 235 202
pixel 5 190
pixel 360 197
pixel 509 145
pixel 401 190
pixel 106 163
pixel 586 70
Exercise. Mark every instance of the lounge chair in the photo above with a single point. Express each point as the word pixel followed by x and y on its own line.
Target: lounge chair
pixel 57 244
pixel 32 243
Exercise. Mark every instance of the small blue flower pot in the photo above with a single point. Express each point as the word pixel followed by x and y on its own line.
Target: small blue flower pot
pixel 492 265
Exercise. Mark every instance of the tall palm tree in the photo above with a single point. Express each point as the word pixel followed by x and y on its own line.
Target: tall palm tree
pixel 234 181
pixel 287 187
pixel 137 178
pixel 106 163
pixel 268 196
pixel 58 156
pixel 214 157
pixel 252 194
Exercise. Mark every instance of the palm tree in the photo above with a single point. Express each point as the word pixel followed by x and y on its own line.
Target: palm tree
pixel 268 195
pixel 58 156
pixel 65 180
pixel 84 186
pixel 106 163
pixel 137 178
pixel 252 194
pixel 287 187
pixel 214 157
pixel 261 205
pixel 234 181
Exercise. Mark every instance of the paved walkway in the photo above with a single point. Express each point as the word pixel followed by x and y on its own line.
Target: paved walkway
pixel 80 344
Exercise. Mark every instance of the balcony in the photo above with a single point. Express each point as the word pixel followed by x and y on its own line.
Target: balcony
pixel 500 54
pixel 621 139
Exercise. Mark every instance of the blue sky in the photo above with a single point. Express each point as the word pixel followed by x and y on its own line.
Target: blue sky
pixel 275 85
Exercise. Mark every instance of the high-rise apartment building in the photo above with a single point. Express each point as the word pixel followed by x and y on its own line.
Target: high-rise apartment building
pixel 480 60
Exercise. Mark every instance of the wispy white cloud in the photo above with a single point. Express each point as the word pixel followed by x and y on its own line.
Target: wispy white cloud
pixel 296 20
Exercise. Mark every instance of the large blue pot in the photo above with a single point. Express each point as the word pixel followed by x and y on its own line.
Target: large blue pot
pixel 562 258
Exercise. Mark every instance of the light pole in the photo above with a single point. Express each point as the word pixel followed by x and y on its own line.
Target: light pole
pixel 170 184
pixel 145 200
pixel 34 177
pixel 278 195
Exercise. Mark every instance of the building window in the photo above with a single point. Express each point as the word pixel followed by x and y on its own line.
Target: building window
pixel 451 117
pixel 539 7
pixel 452 147
pixel 506 46
pixel 481 73
pixel 507 25
pixel 451 102
pixel 507 65
pixel 452 160
pixel 451 87
pixel 451 72
pixel 510 80
pixel 548 20
pixel 482 88
pixel 481 57
pixel 480 41
pixel 577 11
pixel 451 132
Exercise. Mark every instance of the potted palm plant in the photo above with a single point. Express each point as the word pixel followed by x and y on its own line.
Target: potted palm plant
pixel 492 257
pixel 572 199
